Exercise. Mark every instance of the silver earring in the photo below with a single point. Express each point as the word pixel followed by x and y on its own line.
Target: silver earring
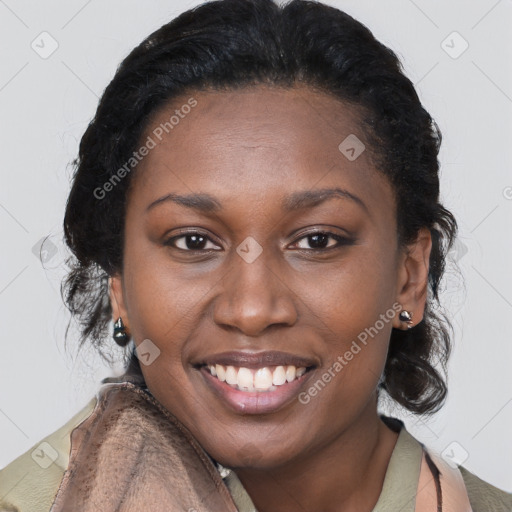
pixel 120 335
pixel 406 316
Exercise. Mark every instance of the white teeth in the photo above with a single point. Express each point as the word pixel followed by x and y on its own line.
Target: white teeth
pixel 290 373
pixel 300 372
pixel 262 379
pixel 231 375
pixel 245 379
pixel 279 376
pixel 221 373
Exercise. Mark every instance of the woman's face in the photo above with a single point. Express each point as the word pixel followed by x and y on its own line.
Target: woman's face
pixel 277 254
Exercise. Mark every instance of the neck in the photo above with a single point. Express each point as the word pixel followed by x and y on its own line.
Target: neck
pixel 346 474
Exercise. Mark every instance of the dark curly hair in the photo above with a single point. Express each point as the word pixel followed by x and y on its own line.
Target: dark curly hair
pixel 228 44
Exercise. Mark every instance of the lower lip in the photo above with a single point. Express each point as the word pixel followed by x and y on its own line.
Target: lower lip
pixel 255 402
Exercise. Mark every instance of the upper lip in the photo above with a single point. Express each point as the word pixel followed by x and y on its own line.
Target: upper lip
pixel 258 359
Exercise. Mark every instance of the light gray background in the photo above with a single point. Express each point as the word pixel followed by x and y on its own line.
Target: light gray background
pixel 45 106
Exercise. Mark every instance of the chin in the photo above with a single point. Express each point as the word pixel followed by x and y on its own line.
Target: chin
pixel 256 455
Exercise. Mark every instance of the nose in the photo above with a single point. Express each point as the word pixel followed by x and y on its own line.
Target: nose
pixel 254 297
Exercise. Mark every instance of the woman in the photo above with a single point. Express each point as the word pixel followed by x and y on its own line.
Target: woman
pixel 256 206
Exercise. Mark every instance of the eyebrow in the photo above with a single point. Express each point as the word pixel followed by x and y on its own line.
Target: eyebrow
pixel 303 199
pixel 310 198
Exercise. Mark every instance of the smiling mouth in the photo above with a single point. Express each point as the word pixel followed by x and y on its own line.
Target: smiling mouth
pixel 264 379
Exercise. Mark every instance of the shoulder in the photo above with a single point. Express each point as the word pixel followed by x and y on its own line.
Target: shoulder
pixel 483 496
pixel 30 482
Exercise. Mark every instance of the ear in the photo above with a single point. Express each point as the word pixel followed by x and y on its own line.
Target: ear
pixel 412 284
pixel 117 301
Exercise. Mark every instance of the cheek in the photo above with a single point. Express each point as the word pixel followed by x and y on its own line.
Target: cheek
pixel 351 296
pixel 165 303
pixel 161 297
pixel 354 307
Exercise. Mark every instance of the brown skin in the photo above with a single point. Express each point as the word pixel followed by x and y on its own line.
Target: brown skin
pixel 251 148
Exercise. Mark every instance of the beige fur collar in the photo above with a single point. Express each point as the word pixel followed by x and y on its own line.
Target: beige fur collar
pixel 132 455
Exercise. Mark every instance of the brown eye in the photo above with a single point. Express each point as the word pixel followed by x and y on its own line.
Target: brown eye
pixel 319 241
pixel 191 241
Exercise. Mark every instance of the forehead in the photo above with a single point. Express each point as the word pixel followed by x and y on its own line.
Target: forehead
pixel 264 141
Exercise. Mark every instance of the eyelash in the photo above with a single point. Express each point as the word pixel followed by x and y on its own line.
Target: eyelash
pixel 341 241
